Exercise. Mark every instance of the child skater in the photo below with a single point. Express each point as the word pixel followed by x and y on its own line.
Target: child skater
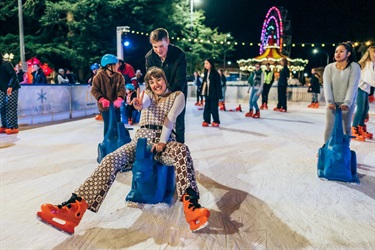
pixel 130 95
pixel 314 89
pixel 108 86
pixel 160 108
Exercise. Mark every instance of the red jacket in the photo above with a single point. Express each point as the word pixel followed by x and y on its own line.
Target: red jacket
pixel 129 73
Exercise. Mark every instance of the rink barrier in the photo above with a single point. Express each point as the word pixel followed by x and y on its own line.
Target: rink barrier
pixel 236 92
pixel 41 103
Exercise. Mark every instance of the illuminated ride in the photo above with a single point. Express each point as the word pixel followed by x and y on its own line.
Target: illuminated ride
pixel 275 43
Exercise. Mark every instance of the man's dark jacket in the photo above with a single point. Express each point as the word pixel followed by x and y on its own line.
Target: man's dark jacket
pixel 8 77
pixel 174 67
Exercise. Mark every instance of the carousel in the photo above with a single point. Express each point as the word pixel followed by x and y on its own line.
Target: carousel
pixel 273 56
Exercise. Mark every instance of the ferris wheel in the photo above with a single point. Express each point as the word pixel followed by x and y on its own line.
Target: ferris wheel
pixel 276 31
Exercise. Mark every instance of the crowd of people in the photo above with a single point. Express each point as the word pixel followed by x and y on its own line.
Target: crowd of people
pixel 162 104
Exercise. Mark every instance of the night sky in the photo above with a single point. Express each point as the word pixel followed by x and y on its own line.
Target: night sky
pixel 328 21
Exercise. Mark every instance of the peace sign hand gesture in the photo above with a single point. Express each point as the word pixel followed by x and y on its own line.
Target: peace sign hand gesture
pixel 138 101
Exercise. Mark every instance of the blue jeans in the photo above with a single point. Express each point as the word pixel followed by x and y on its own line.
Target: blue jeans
pixel 314 97
pixel 223 89
pixel 253 102
pixel 362 108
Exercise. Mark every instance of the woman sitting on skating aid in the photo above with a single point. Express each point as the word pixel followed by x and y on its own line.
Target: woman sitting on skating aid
pixel 160 108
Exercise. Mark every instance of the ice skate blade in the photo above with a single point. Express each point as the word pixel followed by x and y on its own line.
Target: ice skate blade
pixel 199 223
pixel 200 227
pixel 54 225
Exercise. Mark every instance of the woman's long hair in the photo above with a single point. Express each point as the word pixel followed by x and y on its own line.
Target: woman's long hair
pixel 366 57
pixel 212 67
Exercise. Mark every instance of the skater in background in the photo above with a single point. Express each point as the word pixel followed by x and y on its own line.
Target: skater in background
pixel 371 94
pixel 130 95
pixel 108 86
pixel 198 84
pixel 268 80
pixel 160 108
pixel 256 82
pixel 38 75
pixel 367 63
pixel 340 82
pixel 21 75
pixel 172 60
pixel 94 70
pixel 211 89
pixel 140 79
pixel 314 89
pixel 128 72
pixel 282 86
pixel 61 77
pixel 9 87
pixel 223 89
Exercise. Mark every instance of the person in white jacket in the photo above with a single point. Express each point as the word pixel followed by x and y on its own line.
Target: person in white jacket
pixel 340 83
pixel 61 78
pixel 367 64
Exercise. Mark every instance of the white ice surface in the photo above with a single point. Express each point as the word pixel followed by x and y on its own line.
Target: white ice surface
pixel 258 177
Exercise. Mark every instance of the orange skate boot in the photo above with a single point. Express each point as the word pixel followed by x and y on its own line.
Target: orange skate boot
pixel 257 114
pixel 357 134
pixel 363 130
pixel 195 215
pixel 249 114
pixel 371 98
pixel 64 217
pixel 99 117
pixel 10 131
pixel 239 108
pixel 222 107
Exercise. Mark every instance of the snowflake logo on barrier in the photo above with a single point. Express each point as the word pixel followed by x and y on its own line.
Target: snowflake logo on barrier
pixel 42 96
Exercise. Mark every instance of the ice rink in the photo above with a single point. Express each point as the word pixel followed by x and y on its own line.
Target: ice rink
pixel 258 177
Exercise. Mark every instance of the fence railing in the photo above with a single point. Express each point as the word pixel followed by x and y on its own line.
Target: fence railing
pixel 237 92
pixel 46 103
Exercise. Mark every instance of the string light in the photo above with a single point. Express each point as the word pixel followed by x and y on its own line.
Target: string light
pixel 251 44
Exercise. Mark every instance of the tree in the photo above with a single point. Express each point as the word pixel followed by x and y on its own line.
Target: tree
pixel 75 34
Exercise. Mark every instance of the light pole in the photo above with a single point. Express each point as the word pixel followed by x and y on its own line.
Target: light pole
pixel 120 48
pixel 225 50
pixel 191 12
pixel 22 42
pixel 315 51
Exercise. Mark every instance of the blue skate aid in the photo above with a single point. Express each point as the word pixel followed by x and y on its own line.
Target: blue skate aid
pixel 152 182
pixel 335 159
pixel 116 136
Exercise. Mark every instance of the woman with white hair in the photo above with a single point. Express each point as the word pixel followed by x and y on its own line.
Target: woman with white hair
pixel 61 77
